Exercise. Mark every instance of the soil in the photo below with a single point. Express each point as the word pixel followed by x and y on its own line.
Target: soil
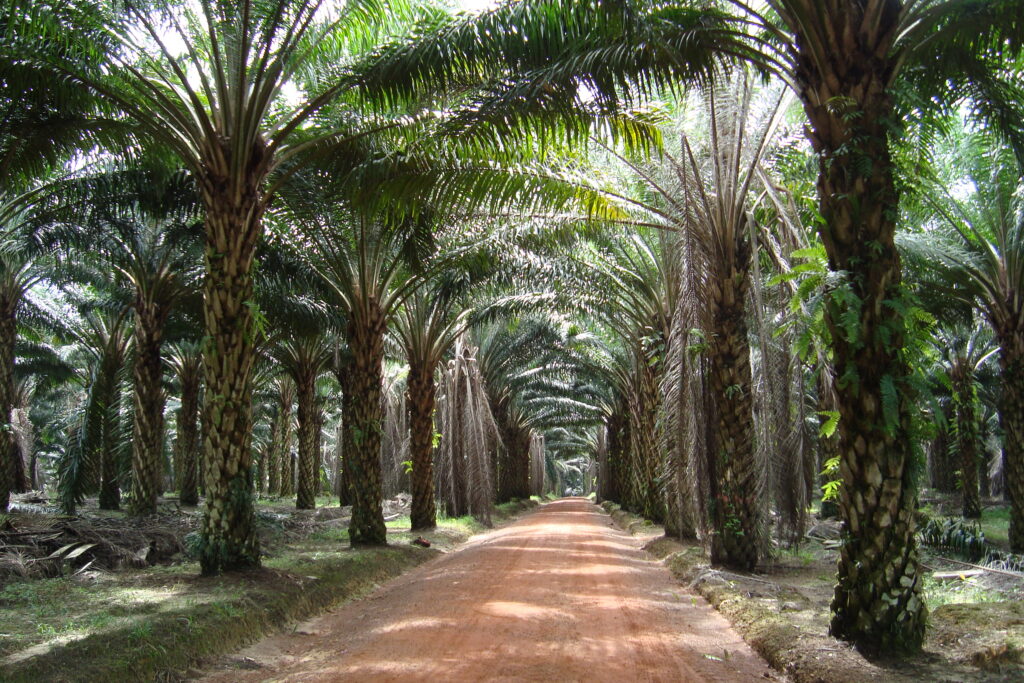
pixel 562 594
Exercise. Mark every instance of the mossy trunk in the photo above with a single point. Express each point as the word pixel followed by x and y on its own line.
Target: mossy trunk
pixel 421 392
pixel 366 342
pixel 613 472
pixel 233 226
pixel 187 441
pixel 878 603
pixel 148 399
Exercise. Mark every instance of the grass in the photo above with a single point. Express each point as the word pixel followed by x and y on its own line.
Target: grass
pixel 995 522
pixel 957 592
pixel 801 556
pixel 138 625
pixel 34 612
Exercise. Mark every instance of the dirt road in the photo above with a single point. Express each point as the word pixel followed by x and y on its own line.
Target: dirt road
pixel 560 595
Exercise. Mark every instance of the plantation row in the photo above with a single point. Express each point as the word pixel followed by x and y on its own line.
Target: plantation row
pixel 726 255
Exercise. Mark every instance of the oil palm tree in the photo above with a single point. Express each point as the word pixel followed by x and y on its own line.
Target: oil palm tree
pixel 366 271
pixel 95 454
pixel 717 201
pixel 509 355
pixel 217 103
pixel 280 466
pixel 427 325
pixel 977 247
pixel 961 353
pixel 139 229
pixel 17 273
pixel 856 67
pixel 305 358
pixel 44 122
pixel 185 360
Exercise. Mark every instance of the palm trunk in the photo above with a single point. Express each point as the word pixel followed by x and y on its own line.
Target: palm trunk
pixel 187 442
pixel 366 341
pixel 284 446
pixel 109 398
pixel 273 464
pixel 309 442
pixel 648 499
pixel 520 480
pixel 968 439
pixel 232 229
pixel 877 603
pixel 459 500
pixel 943 459
pixel 513 466
pixel 735 476
pixel 504 461
pixel 148 397
pixel 1011 417
pixel 421 392
pixel 627 466
pixel 8 449
pixel 612 475
pixel 984 485
pixel 344 485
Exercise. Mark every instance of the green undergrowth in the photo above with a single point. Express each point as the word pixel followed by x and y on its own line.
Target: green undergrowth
pixel 148 624
pixel 995 523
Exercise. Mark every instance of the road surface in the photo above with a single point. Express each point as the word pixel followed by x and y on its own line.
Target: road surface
pixel 559 595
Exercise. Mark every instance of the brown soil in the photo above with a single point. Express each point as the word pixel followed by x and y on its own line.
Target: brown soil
pixel 559 595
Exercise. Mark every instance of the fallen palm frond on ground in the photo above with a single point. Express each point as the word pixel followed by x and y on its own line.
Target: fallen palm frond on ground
pixel 45 546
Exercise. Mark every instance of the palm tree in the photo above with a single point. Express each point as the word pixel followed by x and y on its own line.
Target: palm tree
pixel 281 468
pixel 843 60
pixel 428 325
pixel 304 358
pixel 217 104
pixel 962 352
pixel 186 360
pixel 977 249
pixel 366 275
pixel 139 230
pixel 24 261
pixel 717 207
pixel 468 432
pixel 99 441
pixel 637 290
pixel 17 273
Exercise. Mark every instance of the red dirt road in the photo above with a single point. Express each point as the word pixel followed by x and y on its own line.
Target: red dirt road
pixel 560 595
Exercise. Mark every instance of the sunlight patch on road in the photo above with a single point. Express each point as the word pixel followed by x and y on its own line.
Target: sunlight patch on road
pixel 412 623
pixel 522 610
